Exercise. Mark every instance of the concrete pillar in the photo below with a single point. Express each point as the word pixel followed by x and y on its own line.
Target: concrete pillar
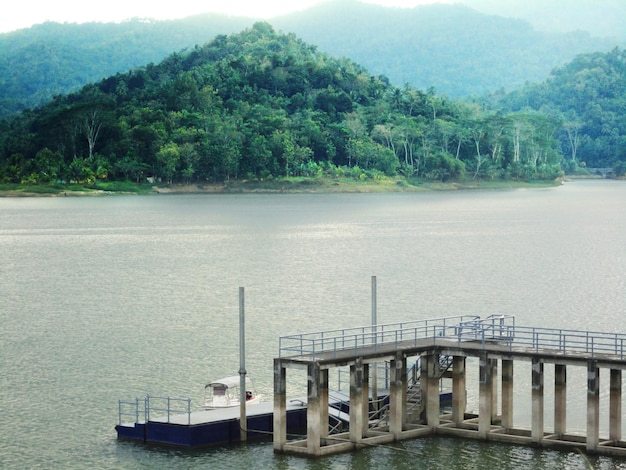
pixel 324 402
pixel 365 401
pixel 536 434
pixel 404 388
pixel 313 412
pixel 560 399
pixel 593 406
pixel 485 390
pixel 397 395
pixel 431 362
pixel 280 406
pixel 615 406
pixel 507 393
pixel 459 391
pixel 494 391
pixel 356 401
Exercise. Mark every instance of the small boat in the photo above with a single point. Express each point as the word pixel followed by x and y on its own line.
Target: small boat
pixel 224 393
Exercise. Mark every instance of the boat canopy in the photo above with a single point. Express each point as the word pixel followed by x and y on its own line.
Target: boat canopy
pixel 229 382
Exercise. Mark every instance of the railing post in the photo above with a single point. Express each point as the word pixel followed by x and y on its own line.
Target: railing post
pixel 188 410
pixel 146 404
pixel 592 347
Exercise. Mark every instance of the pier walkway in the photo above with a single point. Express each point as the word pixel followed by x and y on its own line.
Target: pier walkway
pixel 439 345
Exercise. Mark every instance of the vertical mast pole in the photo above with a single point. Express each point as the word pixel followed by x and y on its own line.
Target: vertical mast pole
pixel 243 425
pixel 374 381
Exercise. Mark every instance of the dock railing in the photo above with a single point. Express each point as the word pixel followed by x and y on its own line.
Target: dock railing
pixel 311 344
pixel 494 329
pixel 569 341
pixel 141 408
pixel 132 409
pixel 168 406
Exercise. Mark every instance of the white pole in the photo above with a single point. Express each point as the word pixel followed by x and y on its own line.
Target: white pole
pixel 243 434
pixel 373 375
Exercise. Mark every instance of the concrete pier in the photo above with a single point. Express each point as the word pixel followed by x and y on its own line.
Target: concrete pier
pixel 560 399
pixel 438 345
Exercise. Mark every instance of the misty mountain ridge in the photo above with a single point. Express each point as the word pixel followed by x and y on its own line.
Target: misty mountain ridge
pixel 602 18
pixel 451 48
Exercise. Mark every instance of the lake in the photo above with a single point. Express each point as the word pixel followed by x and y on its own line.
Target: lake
pixel 107 298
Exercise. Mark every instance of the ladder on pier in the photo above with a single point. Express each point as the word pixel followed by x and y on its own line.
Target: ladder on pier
pixel 414 399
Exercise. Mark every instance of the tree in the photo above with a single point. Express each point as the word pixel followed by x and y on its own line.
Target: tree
pixel 477 133
pixel 79 171
pixel 189 158
pixel 167 159
pixel 572 131
pixel 91 126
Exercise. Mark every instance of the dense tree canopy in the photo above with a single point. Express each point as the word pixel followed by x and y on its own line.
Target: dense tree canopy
pixel 459 51
pixel 260 104
pixel 588 97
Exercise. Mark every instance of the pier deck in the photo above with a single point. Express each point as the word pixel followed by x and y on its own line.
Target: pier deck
pixel 439 345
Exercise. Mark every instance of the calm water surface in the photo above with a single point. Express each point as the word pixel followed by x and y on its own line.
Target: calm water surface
pixel 119 297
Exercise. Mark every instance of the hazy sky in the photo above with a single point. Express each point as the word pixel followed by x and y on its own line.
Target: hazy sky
pixel 25 13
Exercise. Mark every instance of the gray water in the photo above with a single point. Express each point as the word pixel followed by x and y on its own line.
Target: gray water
pixel 109 298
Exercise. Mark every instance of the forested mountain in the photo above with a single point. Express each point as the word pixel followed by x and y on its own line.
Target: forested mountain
pixel 260 105
pixel 598 17
pixel 457 50
pixel 588 96
pixel 52 59
pixel 452 48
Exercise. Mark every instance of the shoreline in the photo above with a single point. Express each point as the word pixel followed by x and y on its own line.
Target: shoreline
pixel 282 186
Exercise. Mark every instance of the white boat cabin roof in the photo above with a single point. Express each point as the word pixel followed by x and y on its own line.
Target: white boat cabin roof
pixel 229 382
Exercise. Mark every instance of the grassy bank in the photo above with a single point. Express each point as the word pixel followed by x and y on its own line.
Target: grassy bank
pixel 285 185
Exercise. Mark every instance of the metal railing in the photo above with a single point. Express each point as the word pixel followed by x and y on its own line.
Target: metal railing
pixel 569 341
pixel 494 329
pixel 166 405
pixel 135 409
pixel 141 408
pixel 310 344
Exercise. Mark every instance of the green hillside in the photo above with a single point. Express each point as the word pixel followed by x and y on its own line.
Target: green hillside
pixel 452 48
pixel 588 96
pixel 262 105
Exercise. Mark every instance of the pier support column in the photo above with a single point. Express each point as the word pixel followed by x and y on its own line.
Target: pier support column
pixel 366 402
pixel 615 406
pixel 280 406
pixel 356 401
pixel 507 394
pixel 494 391
pixel 536 434
pixel 560 399
pixel 313 411
pixel 397 395
pixel 593 405
pixel 431 362
pixel 324 403
pixel 459 391
pixel 485 391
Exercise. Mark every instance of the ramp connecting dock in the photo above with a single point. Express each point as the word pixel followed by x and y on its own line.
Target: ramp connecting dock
pixel 439 345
